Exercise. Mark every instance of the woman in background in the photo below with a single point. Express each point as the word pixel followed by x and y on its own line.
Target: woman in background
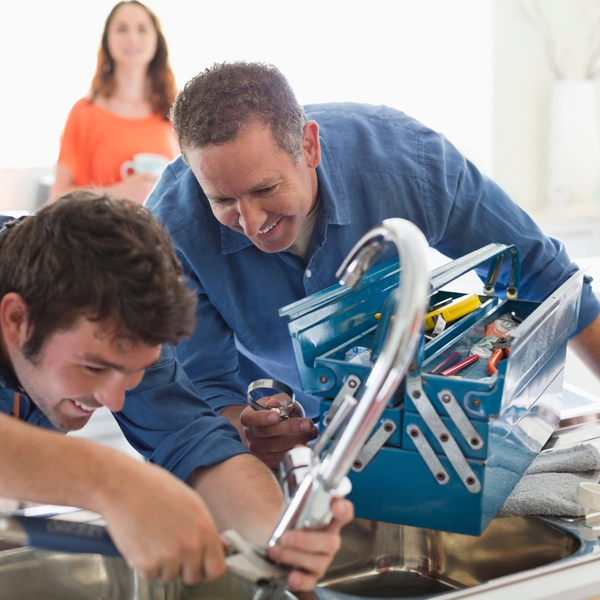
pixel 126 111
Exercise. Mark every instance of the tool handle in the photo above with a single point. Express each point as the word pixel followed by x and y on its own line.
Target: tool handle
pixel 67 536
pixel 497 356
pixel 460 366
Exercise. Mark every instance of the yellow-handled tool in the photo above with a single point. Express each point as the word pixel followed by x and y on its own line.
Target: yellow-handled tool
pixel 457 309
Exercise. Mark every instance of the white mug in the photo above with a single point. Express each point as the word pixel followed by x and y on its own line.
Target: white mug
pixel 146 162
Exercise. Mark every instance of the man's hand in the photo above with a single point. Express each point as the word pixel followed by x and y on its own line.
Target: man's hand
pixel 311 551
pixel 270 438
pixel 587 346
pixel 243 495
pixel 161 526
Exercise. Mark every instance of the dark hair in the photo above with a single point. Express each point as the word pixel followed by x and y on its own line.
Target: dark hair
pixel 217 104
pixel 162 80
pixel 103 258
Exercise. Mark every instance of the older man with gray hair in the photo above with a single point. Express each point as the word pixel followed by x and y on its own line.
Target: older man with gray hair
pixel 269 197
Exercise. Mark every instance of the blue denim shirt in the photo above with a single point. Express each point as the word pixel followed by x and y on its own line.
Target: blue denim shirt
pixel 376 163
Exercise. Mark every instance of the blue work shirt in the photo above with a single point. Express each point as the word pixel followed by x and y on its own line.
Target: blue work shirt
pixel 164 420
pixel 376 163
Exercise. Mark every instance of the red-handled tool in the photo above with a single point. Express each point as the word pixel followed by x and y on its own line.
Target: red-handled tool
pixel 461 365
pixel 500 351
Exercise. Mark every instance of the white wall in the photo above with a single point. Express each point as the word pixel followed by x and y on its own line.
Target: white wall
pixel 523 82
pixel 430 58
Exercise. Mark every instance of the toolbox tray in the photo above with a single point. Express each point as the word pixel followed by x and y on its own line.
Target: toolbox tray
pixel 448 450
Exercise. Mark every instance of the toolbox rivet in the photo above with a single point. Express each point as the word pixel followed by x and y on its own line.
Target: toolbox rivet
pixel 416 394
pixel 387 427
pixel 352 383
pixel 444 437
pixel 445 398
pixel 357 464
pixel 476 402
pixel 440 476
pixel 474 441
pixel 470 480
pixel 323 379
pixel 414 433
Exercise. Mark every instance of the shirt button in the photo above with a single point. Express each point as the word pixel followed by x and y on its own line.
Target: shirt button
pixel 308 273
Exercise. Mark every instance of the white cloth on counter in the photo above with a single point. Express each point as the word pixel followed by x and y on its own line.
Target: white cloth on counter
pixel 549 486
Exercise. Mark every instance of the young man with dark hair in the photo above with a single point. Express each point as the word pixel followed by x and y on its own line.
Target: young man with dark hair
pixel 90 291
pixel 269 197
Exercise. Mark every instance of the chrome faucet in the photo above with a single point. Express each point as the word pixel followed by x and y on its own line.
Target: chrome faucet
pixel 326 478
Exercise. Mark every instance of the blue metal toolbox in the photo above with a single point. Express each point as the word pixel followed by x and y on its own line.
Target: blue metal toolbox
pixel 448 449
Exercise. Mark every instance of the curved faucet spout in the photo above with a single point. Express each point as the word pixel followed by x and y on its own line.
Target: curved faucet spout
pixel 402 339
pixel 309 505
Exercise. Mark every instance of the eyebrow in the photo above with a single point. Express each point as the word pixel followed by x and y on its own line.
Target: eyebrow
pixel 97 360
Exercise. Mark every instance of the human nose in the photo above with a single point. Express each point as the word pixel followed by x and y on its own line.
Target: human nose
pixel 132 35
pixel 251 217
pixel 112 394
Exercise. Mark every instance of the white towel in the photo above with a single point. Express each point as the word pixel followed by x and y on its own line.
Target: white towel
pixel 549 486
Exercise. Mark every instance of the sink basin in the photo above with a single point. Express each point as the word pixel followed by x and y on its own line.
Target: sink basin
pixel 377 560
pixel 26 573
pixel 384 560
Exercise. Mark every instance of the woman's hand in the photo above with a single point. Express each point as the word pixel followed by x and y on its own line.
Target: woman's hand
pixel 136 187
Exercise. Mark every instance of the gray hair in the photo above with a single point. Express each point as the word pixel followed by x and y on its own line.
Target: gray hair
pixel 217 104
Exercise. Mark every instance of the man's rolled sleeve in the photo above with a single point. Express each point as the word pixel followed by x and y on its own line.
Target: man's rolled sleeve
pixel 590 305
pixel 167 422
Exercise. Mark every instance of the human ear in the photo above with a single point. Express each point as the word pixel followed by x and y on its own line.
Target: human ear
pixel 14 319
pixel 311 147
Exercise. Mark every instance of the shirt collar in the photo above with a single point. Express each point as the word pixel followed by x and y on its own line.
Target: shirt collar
pixel 334 211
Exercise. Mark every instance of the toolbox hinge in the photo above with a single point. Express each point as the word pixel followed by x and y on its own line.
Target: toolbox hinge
pixel 375 443
pixel 442 434
pixel 460 419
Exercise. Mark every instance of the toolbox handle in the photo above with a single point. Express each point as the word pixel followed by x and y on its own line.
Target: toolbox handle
pixel 442 276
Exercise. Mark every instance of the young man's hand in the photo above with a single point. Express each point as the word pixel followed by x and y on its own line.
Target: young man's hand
pixel 311 551
pixel 161 526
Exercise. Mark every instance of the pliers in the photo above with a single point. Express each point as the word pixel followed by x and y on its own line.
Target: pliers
pixel 500 351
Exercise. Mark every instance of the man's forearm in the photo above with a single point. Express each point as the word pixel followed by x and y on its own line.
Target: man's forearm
pixel 242 494
pixel 232 414
pixel 586 344
pixel 43 466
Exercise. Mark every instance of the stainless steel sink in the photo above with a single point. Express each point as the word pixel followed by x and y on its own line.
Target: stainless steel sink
pixel 377 560
pixel 383 560
pixel 28 574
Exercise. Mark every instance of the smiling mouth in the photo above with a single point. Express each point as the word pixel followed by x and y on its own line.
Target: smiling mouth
pixel 263 231
pixel 84 407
